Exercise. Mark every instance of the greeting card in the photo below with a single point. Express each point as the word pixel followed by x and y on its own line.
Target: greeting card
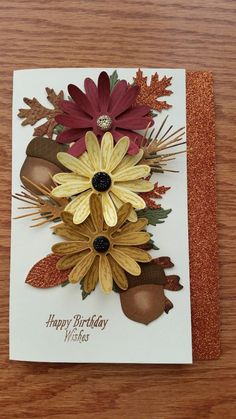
pixel 100 246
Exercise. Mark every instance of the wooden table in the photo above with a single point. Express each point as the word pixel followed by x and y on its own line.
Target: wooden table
pixel 155 33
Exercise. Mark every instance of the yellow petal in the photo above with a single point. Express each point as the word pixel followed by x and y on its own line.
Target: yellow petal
pixel 71 188
pixel 85 159
pixel 133 238
pixel 132 173
pixel 139 185
pixel 67 248
pixel 118 274
pixel 74 164
pixel 129 161
pixel 96 212
pixel 135 253
pixel 82 209
pixel 68 177
pixel 91 278
pixel 128 196
pixel 105 274
pixel 81 268
pixel 118 153
pixel 137 226
pixel 126 262
pixel 85 229
pixel 73 205
pixel 69 261
pixel 94 151
pixel 106 149
pixel 108 209
pixel 67 232
pixel 132 216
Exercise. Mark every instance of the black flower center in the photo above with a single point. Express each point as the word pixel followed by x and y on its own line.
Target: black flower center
pixel 101 181
pixel 101 244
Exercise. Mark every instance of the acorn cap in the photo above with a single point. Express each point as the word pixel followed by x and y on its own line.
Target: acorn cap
pixel 150 274
pixel 46 149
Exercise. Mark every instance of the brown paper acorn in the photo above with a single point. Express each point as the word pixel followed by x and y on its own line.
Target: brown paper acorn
pixel 145 300
pixel 41 163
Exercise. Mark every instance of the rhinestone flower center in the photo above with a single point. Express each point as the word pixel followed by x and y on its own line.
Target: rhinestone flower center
pixel 104 122
pixel 101 244
pixel 101 181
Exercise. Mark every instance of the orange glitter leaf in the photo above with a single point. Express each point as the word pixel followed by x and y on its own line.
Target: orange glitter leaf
pixel 156 193
pixel 148 94
pixel 44 273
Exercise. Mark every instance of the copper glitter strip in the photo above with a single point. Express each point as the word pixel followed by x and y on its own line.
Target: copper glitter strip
pixel 202 216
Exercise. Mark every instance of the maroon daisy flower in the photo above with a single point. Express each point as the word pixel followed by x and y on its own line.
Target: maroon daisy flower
pixel 100 110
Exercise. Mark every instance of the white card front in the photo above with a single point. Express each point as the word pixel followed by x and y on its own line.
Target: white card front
pixel 55 324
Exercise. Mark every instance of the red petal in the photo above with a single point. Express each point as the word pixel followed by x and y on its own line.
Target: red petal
pixel 70 135
pixel 80 98
pixel 72 122
pixel 44 273
pixel 92 93
pixel 133 123
pixel 126 101
pixel 103 91
pixel 72 108
pixel 117 93
pixel 78 148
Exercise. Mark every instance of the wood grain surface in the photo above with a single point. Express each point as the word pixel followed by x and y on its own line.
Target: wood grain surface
pixel 152 33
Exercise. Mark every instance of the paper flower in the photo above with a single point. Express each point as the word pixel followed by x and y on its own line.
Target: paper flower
pixel 97 252
pixel 106 171
pixel 99 110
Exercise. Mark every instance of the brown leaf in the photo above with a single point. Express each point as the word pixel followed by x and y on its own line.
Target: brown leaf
pixel 168 305
pixel 148 94
pixel 172 283
pixel 44 273
pixel 36 112
pixel 163 261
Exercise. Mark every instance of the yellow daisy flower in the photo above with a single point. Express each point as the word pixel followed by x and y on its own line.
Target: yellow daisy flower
pixel 105 170
pixel 97 252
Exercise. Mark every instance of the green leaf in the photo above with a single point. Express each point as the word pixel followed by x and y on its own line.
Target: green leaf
pixel 58 129
pixel 65 283
pixel 113 80
pixel 153 244
pixel 154 216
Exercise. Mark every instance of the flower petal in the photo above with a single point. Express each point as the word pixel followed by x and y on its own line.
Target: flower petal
pixel 71 108
pixel 132 173
pixel 69 261
pixel 105 274
pixel 73 122
pixel 74 164
pixel 69 233
pixel 73 205
pixel 94 151
pixel 92 276
pixel 128 196
pixel 92 93
pixel 118 274
pixel 118 153
pixel 122 215
pixel 118 203
pixel 82 209
pixel 108 209
pixel 81 268
pixel 126 262
pixel 78 147
pixel 117 93
pixel 129 161
pixel 80 98
pixel 137 254
pixel 139 185
pixel 85 228
pixel 132 122
pixel 106 150
pixel 69 135
pixel 70 188
pixel 137 226
pixel 103 91
pixel 131 238
pixel 67 248
pixel 68 177
pixel 126 100
pixel 96 212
